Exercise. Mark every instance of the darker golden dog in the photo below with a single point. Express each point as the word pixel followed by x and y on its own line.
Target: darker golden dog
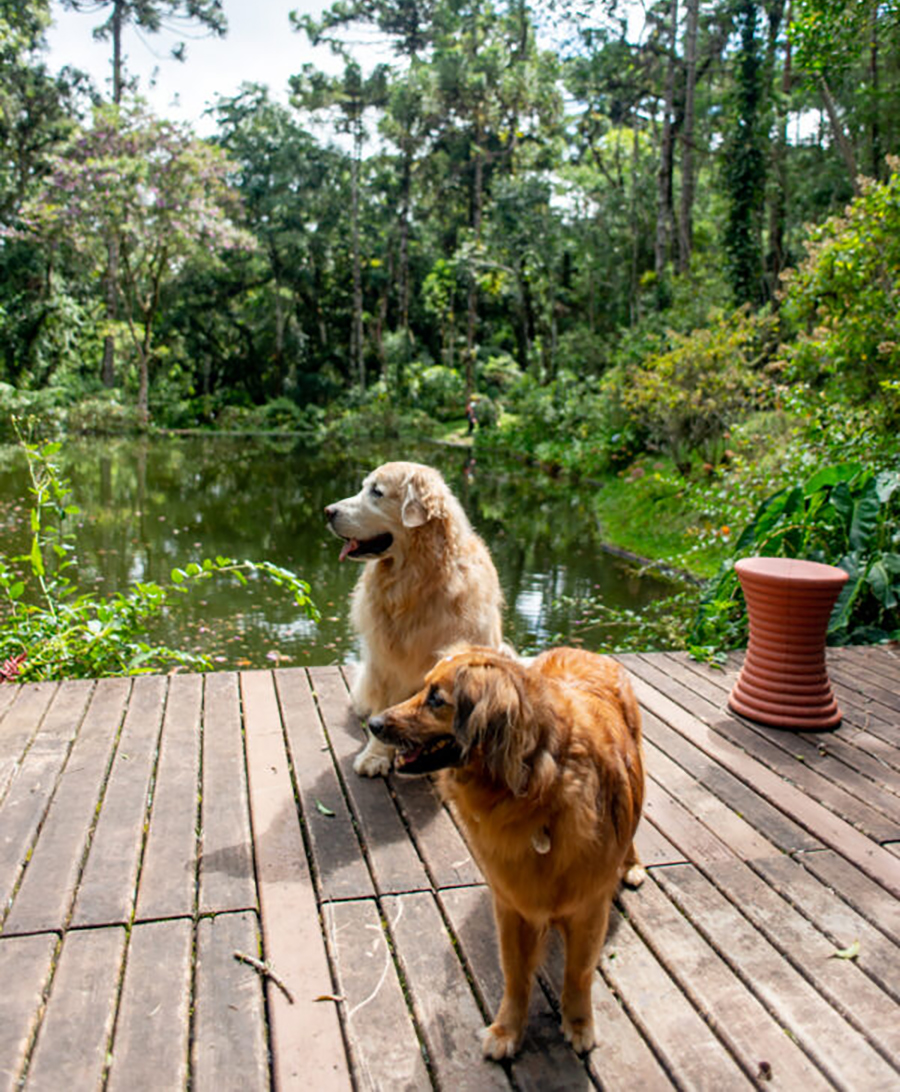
pixel 544 766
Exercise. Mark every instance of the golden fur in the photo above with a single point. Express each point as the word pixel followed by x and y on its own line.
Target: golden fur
pixel 431 586
pixel 543 764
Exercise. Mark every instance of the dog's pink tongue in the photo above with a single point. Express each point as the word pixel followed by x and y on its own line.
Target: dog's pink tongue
pixel 349 546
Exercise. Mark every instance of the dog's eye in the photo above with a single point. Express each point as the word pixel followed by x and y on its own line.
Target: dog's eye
pixel 434 700
pixel 375 491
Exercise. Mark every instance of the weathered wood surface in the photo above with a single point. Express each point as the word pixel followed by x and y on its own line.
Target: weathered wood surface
pixel 196 891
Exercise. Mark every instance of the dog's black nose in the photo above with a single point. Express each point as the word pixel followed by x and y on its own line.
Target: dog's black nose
pixel 376 726
pixel 330 512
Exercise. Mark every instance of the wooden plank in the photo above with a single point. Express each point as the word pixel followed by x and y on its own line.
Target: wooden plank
pixel 26 803
pixel 169 867
pixel 871 683
pixel 884 659
pixel 44 899
pixel 782 832
pixel 226 860
pixel 798 941
pixel 873 698
pixel 8 695
pixel 780 761
pixel 545 1060
pixel 654 848
pixel 878 956
pixel 106 892
pixel 440 844
pixel 862 713
pixel 840 1051
pixel 340 866
pixel 395 865
pixel 380 1031
pixel 850 741
pixel 445 1008
pixel 307 1045
pixel 150 1049
pixel 73 1041
pixel 25 964
pixel 826 826
pixel 23 718
pixel 679 1034
pixel 228 1045
pixel 846 764
pixel 867 898
pixel 682 829
pixel 729 827
pixel 719 996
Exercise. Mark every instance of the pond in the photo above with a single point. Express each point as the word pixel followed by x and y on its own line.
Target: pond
pixel 150 505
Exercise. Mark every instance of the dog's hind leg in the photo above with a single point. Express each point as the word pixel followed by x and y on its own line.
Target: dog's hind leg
pixel 521 947
pixel 584 938
pixel 633 872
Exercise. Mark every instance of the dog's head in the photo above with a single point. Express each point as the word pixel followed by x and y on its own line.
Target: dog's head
pixel 473 709
pixel 395 501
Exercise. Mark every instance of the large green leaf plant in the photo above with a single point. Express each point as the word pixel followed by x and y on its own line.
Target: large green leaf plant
pixel 844 515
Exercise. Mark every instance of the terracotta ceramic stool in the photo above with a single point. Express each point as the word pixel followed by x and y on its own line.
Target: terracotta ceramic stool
pixel 784 681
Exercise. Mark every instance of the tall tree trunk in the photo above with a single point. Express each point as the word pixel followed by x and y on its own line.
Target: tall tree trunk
pixel 664 173
pixel 840 136
pixel 108 371
pixel 776 260
pixel 117 23
pixel 404 269
pixel 874 81
pixel 634 294
pixel 686 218
pixel 472 303
pixel 356 329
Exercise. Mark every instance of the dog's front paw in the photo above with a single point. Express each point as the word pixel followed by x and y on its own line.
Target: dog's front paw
pixel 580 1033
pixel 635 876
pixel 374 760
pixel 498 1042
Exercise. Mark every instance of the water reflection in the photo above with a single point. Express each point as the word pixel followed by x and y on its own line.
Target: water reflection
pixel 150 505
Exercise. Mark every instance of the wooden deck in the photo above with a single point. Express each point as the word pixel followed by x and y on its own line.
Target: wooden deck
pixel 152 828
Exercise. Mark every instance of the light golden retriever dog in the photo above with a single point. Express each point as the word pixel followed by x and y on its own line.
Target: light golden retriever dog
pixel 428 583
pixel 544 766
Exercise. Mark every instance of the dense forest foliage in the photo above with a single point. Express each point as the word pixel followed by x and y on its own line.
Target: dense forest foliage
pixel 666 248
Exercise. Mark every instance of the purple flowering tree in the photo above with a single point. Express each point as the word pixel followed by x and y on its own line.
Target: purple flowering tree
pixel 158 189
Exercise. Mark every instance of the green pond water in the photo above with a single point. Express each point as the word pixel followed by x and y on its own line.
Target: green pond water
pixel 148 506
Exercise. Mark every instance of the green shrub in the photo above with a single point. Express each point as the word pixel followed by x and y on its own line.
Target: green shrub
pixel 844 299
pixel 102 414
pixel 437 390
pixel 497 375
pixel 571 423
pixel 687 397
pixel 284 415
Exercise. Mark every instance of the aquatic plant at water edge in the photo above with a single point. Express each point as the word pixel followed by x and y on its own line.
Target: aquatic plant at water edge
pixel 51 630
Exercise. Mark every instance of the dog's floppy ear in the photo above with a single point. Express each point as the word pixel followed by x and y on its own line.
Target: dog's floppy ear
pixel 493 712
pixel 423 498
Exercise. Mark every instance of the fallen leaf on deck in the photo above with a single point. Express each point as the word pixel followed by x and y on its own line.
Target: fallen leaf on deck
pixel 847 953
pixel 323 809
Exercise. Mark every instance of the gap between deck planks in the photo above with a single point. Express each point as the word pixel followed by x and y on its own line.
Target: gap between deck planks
pixel 151 828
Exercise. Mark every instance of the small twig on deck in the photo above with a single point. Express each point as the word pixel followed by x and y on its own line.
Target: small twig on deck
pixel 264 969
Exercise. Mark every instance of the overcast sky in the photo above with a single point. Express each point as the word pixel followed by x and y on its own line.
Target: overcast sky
pixel 260 47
